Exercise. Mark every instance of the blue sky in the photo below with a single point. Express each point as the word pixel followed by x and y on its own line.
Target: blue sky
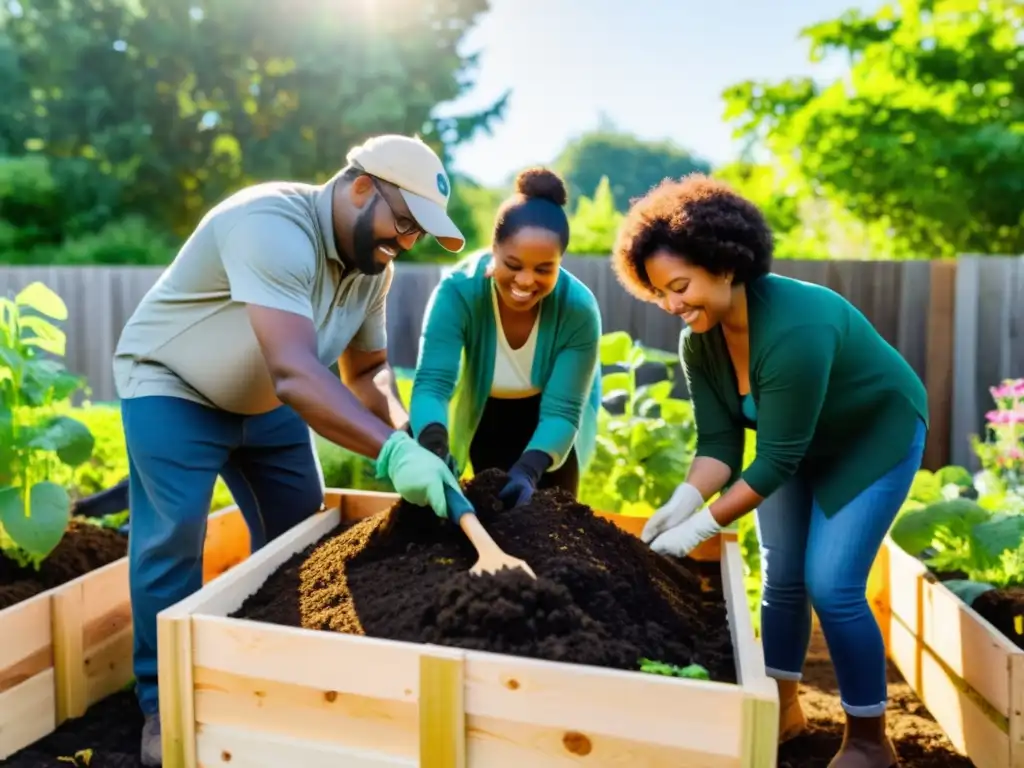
pixel 657 68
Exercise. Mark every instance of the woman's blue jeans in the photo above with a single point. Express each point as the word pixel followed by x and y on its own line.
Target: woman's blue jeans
pixel 810 560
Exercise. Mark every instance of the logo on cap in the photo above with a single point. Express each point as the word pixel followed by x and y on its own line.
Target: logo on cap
pixel 442 184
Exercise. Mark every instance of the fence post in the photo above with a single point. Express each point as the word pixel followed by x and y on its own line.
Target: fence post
pixel 939 362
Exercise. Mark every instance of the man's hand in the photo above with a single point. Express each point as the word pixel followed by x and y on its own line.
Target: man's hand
pixel 372 380
pixel 418 475
pixel 288 343
pixel 684 502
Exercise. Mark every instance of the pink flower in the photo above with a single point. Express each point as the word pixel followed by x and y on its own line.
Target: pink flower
pixel 1009 388
pixel 1006 417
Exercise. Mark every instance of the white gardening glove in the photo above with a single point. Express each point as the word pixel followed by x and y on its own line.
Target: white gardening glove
pixel 684 502
pixel 683 539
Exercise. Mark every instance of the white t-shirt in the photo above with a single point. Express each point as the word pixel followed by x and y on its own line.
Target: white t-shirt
pixel 512 367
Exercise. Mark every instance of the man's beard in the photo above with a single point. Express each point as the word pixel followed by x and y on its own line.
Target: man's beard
pixel 364 244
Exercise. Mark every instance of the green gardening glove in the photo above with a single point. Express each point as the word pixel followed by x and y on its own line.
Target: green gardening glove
pixel 418 475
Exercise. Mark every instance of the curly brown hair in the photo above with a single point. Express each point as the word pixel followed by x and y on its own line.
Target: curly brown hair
pixel 702 220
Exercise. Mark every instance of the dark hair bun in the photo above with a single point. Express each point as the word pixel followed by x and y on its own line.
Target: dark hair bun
pixel 542 183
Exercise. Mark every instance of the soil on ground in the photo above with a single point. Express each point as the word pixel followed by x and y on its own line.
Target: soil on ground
pixel 1004 609
pixel 919 740
pixel 85 547
pixel 601 596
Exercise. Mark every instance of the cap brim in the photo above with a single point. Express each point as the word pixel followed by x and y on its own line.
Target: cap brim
pixel 434 220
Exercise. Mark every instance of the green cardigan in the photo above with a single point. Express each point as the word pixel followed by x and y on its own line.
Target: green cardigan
pixel 455 367
pixel 834 400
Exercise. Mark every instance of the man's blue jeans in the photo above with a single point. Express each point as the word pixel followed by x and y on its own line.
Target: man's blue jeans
pixel 176 450
pixel 808 560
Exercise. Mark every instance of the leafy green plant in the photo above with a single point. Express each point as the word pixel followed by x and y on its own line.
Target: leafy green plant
pixel 690 671
pixel 35 438
pixel 643 454
pixel 961 535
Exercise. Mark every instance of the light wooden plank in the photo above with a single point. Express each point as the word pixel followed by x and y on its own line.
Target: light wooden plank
pixel 967 724
pixel 68 622
pixel 249 748
pixel 177 700
pixel 106 603
pixel 1015 724
pixel 224 595
pixel 503 743
pixel 358 505
pixel 442 713
pixel 965 642
pixel 589 700
pixel 108 665
pixel 27 647
pixel 327 661
pixel 938 377
pixel 27 713
pixel 310 713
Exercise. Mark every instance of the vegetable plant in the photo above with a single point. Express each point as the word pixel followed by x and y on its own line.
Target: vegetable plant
pixel 960 535
pixel 35 438
pixel 690 671
pixel 644 453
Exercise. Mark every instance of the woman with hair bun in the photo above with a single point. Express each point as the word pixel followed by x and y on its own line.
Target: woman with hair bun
pixel 506 375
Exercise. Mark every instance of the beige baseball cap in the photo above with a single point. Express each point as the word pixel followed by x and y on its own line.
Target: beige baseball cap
pixel 413 167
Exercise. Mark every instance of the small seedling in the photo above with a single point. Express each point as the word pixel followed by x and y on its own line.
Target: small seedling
pixel 691 671
pixel 81 759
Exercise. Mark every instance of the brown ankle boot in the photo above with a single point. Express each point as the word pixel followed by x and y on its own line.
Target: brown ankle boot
pixel 791 715
pixel 865 745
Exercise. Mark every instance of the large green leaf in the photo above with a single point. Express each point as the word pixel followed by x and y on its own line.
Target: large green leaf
pixel 45 335
pixel 614 384
pixel 615 348
pixel 70 438
pixel 658 392
pixel 916 529
pixel 655 355
pixel 43 528
pixel 955 474
pixel 42 299
pixel 1000 533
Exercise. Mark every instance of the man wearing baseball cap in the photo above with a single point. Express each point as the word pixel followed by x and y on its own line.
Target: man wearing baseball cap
pixel 223 369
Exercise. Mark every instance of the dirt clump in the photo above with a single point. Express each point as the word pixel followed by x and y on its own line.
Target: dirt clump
pixel 602 597
pixel 84 548
pixel 1002 608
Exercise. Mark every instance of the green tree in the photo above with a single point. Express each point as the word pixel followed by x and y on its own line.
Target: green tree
pixel 184 101
pixel 595 223
pixel 632 164
pixel 921 140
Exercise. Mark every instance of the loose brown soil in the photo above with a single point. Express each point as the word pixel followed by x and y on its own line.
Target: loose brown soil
pixel 602 597
pixel 919 740
pixel 84 548
pixel 1003 608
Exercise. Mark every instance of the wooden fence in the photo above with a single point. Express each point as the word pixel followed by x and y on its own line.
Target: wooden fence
pixel 958 323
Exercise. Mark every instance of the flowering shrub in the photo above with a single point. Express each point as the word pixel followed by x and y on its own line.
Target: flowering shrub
pixel 1002 452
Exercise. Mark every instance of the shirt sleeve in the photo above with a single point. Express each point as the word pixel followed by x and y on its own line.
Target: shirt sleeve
pixel 719 434
pixel 792 387
pixel 270 262
pixel 373 333
pixel 567 390
pixel 440 357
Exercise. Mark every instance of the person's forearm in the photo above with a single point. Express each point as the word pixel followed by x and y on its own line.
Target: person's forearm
pixel 378 391
pixel 708 475
pixel 333 411
pixel 734 503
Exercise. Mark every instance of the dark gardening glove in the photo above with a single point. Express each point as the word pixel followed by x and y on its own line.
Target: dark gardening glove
pixel 434 437
pixel 523 478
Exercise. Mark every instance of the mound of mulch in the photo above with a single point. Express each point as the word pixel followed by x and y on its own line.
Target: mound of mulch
pixel 602 597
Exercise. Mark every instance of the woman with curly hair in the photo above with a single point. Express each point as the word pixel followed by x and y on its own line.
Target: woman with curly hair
pixel 841 421
pixel 526 333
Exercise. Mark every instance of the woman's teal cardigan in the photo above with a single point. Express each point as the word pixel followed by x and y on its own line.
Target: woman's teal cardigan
pixel 456 363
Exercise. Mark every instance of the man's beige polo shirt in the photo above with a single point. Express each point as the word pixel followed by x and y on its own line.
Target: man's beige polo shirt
pixel 272 245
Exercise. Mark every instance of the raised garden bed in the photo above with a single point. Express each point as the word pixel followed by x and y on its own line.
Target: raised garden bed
pixel 968 673
pixel 249 676
pixel 68 645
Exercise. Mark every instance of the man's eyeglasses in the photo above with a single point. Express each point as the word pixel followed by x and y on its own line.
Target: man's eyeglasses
pixel 404 225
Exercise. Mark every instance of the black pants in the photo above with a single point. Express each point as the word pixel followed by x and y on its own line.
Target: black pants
pixel 505 429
